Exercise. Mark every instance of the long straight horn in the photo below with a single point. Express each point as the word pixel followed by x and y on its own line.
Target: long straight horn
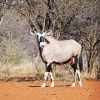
pixel 44 19
pixel 43 25
pixel 35 27
pixel 32 24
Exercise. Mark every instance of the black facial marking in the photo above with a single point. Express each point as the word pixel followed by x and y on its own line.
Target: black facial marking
pixel 42 39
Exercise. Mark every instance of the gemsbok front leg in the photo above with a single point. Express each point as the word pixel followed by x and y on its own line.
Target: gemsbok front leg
pixel 48 71
pixel 52 79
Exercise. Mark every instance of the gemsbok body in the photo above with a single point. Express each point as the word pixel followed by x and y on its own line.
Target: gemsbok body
pixel 58 51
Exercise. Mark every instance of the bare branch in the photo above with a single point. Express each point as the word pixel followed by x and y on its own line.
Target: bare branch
pixel 1 19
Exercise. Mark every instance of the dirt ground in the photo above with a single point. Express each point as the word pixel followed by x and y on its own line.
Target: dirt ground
pixel 33 91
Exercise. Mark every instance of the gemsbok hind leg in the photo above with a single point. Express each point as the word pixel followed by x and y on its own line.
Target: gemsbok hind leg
pixel 77 76
pixel 76 72
pixel 48 71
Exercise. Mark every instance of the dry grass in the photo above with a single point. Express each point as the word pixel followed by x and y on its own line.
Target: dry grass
pixel 95 74
pixel 23 72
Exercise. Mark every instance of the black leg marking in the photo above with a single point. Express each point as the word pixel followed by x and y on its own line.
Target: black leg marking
pixel 48 67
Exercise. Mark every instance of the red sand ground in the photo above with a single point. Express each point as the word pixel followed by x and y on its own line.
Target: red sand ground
pixel 33 91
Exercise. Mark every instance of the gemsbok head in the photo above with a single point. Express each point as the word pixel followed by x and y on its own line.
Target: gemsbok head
pixel 58 51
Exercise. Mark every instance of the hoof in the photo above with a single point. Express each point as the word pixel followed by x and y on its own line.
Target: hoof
pixel 52 84
pixel 80 83
pixel 73 85
pixel 43 85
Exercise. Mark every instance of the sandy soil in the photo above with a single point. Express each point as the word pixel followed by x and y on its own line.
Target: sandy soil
pixel 33 91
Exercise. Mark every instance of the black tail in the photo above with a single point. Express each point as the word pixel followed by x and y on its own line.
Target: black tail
pixel 80 63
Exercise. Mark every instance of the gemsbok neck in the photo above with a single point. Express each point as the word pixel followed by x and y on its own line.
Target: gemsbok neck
pixel 50 38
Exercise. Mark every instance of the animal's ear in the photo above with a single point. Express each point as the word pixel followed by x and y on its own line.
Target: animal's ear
pixel 49 33
pixel 31 32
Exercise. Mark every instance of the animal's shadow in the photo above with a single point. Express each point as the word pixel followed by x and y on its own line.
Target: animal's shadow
pixel 34 86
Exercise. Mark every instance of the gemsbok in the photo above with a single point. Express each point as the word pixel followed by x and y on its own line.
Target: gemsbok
pixel 58 51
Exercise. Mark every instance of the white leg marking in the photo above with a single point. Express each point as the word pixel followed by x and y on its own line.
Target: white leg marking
pixel 51 74
pixel 43 85
pixel 52 78
pixel 46 75
pixel 48 64
pixel 52 84
pixel 73 85
pixel 45 78
pixel 75 77
pixel 80 82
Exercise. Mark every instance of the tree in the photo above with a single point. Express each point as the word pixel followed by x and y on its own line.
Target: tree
pixel 76 19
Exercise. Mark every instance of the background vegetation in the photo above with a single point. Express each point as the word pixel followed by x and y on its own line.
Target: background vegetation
pixel 78 19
